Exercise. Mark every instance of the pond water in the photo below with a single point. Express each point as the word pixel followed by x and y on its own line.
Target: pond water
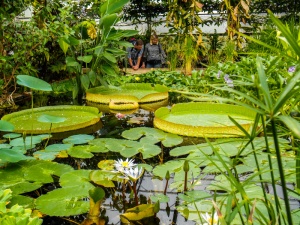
pixel 115 203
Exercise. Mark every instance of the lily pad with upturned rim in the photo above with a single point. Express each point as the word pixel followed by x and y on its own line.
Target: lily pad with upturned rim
pixel 76 117
pixel 209 120
pixel 128 96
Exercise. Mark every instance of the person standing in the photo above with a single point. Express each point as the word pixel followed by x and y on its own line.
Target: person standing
pixel 135 55
pixel 154 54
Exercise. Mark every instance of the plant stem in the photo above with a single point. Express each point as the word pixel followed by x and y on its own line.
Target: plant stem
pixel 135 194
pixel 166 187
pixel 281 172
pixel 271 168
pixel 185 181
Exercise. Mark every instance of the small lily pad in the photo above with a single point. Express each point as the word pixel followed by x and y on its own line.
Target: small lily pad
pixel 6 126
pixel 43 155
pixel 7 146
pixel 30 140
pixel 51 119
pixel 80 151
pixel 11 135
pixel 160 197
pixel 106 165
pixel 8 155
pixel 79 139
pixel 58 147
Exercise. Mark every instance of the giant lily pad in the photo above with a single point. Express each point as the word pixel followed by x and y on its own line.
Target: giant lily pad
pixel 128 96
pixel 204 119
pixel 76 117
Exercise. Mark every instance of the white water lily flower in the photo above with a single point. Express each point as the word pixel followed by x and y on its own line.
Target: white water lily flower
pixel 210 220
pixel 134 173
pixel 122 165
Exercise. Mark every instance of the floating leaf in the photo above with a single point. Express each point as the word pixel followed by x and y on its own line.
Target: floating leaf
pixel 106 165
pixel 76 117
pixel 7 146
pixel 64 202
pixel 78 139
pixel 43 155
pixel 6 126
pixel 30 140
pixel 77 179
pixel 104 178
pixel 58 147
pixel 147 167
pixel 137 213
pixel 80 151
pixel 24 187
pixel 11 135
pixel 33 83
pixel 9 155
pixel 51 119
pixel 159 197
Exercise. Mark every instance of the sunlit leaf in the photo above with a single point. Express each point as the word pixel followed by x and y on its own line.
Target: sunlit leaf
pixel 64 202
pixel 33 83
pixel 78 139
pixel 6 126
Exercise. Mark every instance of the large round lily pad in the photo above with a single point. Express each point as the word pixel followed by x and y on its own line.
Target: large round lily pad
pixel 128 96
pixel 75 117
pixel 204 119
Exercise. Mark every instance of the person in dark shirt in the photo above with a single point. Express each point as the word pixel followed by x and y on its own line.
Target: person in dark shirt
pixel 135 55
pixel 154 54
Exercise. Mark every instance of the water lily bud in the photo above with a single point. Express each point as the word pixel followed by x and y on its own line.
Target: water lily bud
pixel 186 166
pixel 156 207
pixel 167 175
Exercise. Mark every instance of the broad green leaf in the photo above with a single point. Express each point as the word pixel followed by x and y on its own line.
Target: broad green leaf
pixel 58 147
pixel 44 155
pixel 92 77
pixel 25 201
pixel 160 197
pixel 6 126
pixel 106 165
pixel 63 45
pixel 33 83
pixel 86 58
pixel 137 132
pixel 115 6
pixel 85 81
pixel 104 178
pixel 11 135
pixel 194 196
pixel 70 61
pixel 6 146
pixel 146 167
pixel 9 155
pixel 80 151
pixel 51 119
pixel 184 150
pixel 73 41
pixel 64 202
pixel 24 187
pixel 107 22
pixel 125 44
pixel 97 194
pixel 110 57
pixel 78 139
pixel 76 178
pixel 29 140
